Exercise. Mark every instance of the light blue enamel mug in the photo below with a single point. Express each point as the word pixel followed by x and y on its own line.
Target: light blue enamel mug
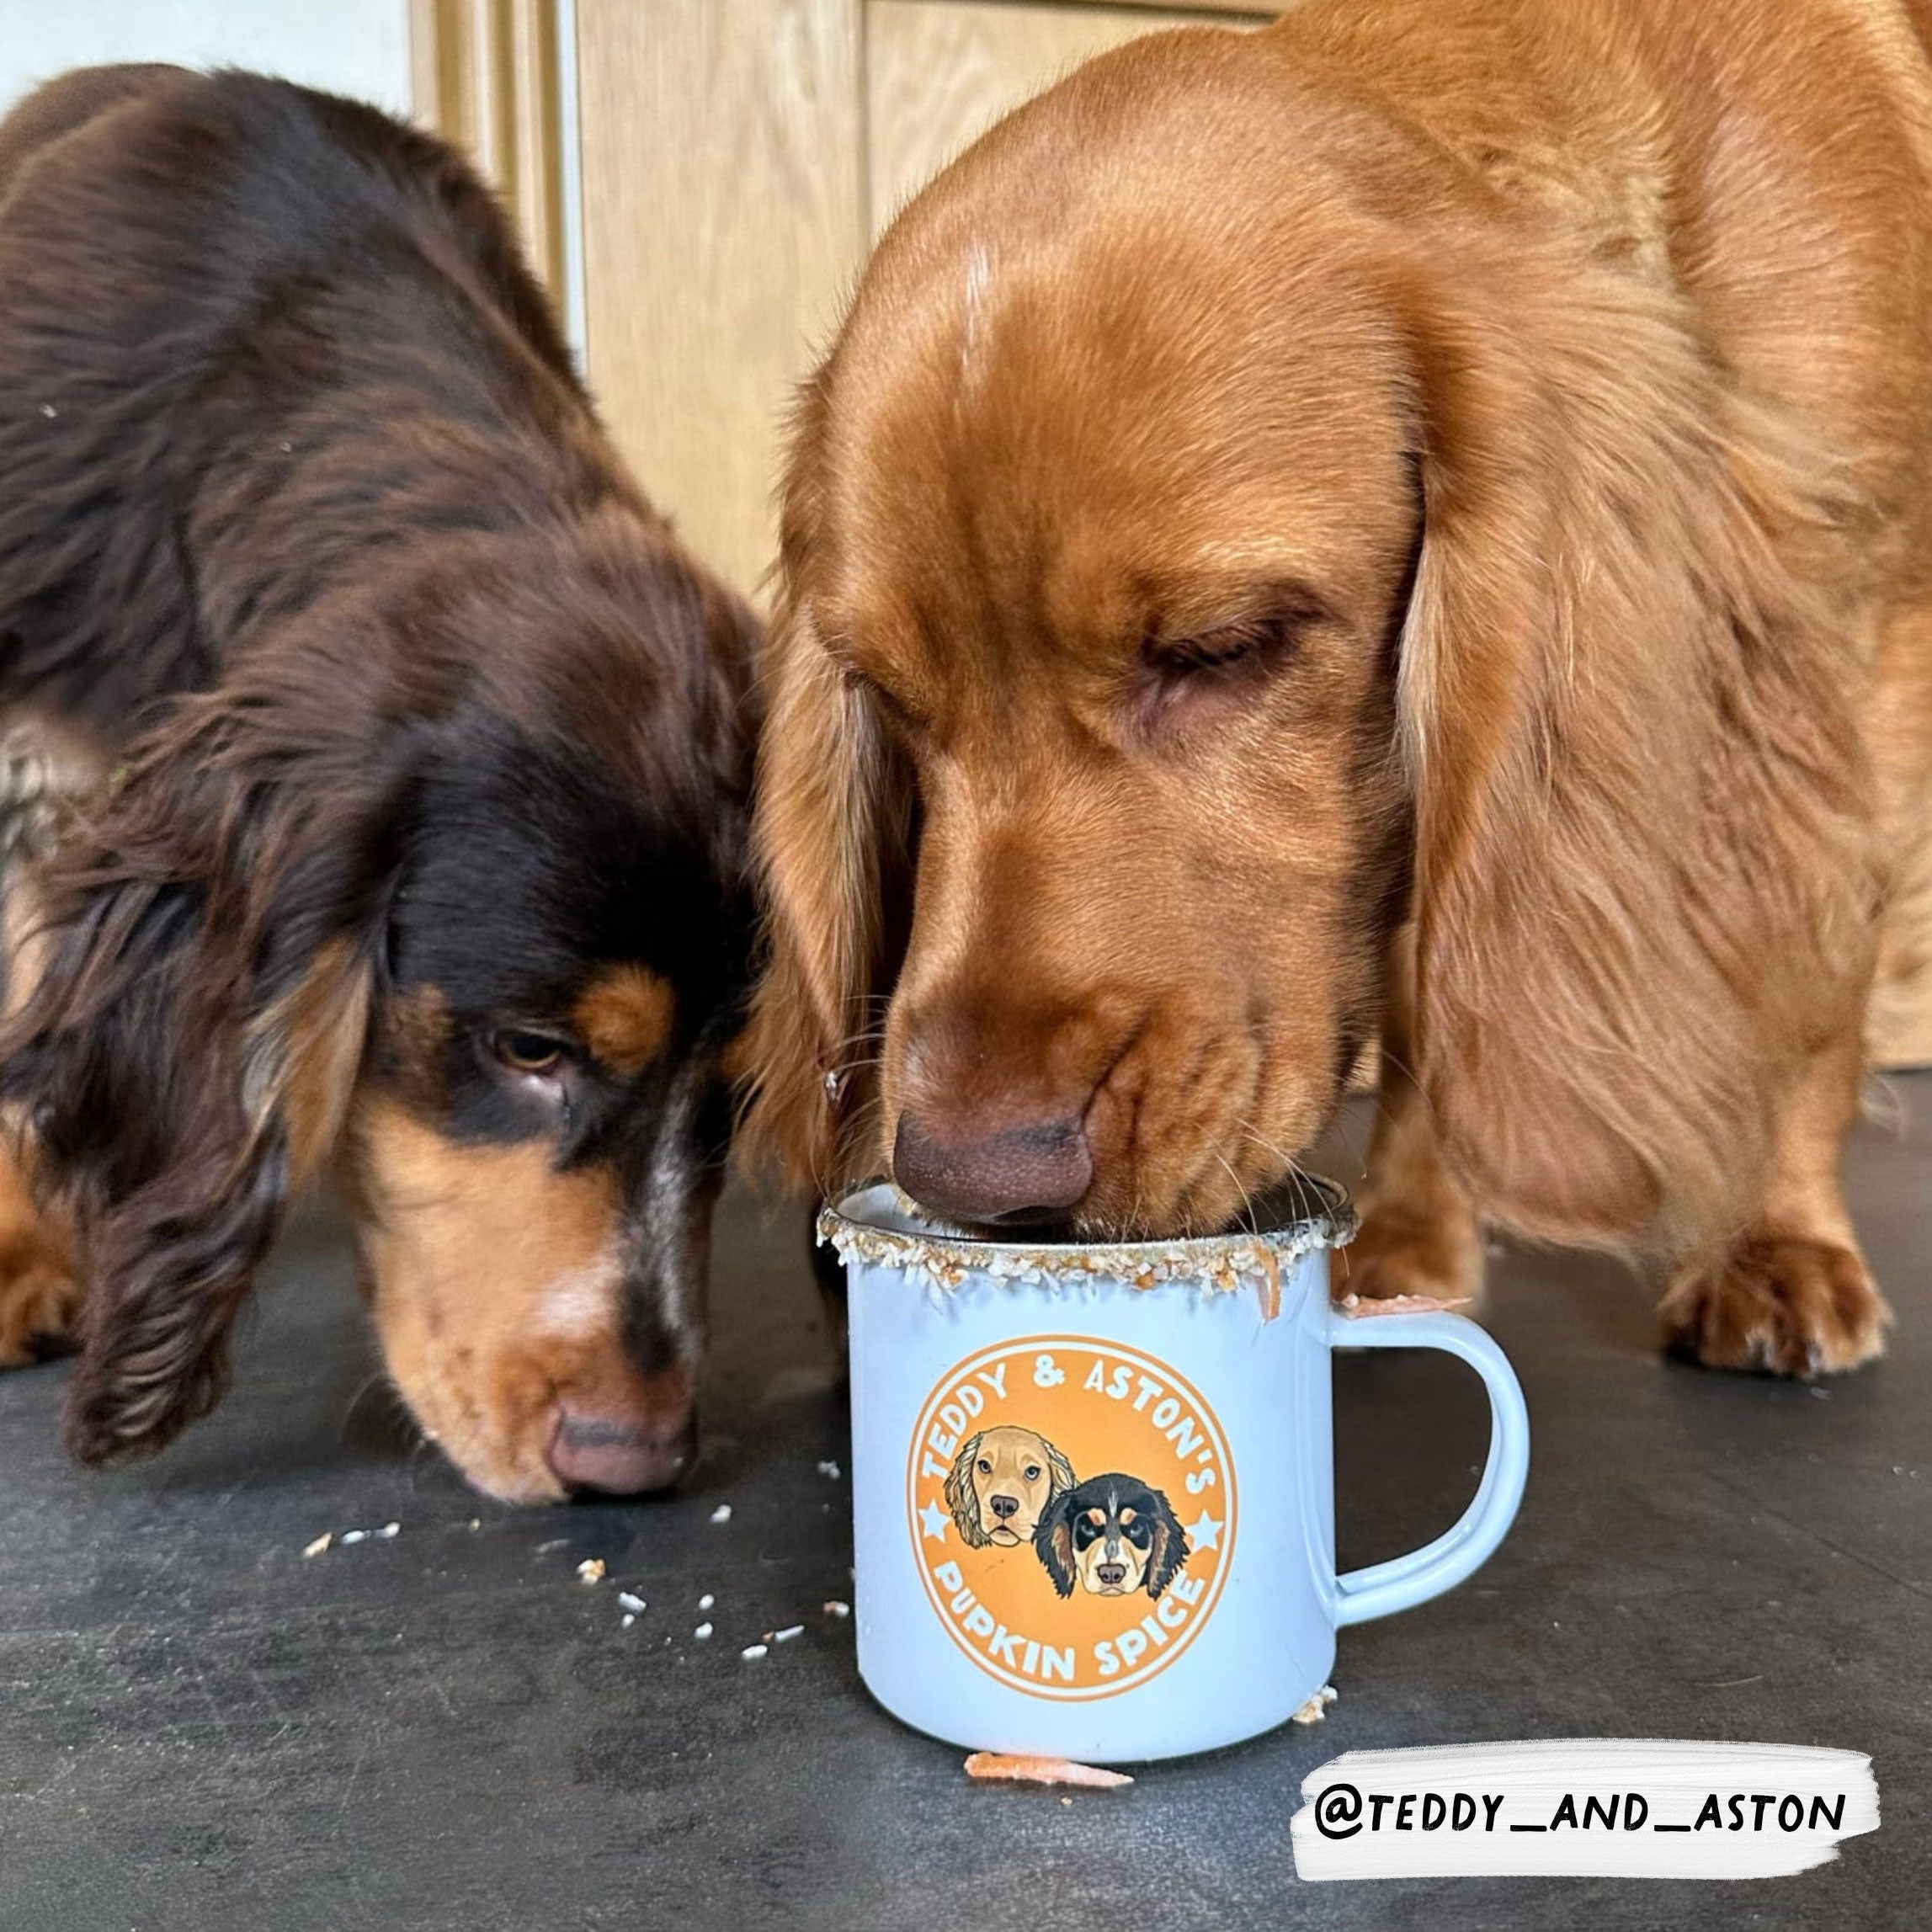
pixel 1093 1486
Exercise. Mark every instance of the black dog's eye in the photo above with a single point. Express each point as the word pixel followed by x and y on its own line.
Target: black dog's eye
pixel 1138 1533
pixel 526 1053
pixel 1085 1532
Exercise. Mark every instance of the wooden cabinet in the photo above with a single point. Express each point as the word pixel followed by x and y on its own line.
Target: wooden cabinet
pixel 737 157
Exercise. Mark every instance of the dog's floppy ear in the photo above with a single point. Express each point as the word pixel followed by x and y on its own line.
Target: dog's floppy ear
pixel 1169 1548
pixel 962 1499
pixel 1637 781
pixel 1059 1470
pixel 832 836
pixel 1053 1542
pixel 206 945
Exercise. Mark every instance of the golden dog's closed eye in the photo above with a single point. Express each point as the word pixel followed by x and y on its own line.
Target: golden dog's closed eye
pixel 1269 631
pixel 1214 648
pixel 1194 679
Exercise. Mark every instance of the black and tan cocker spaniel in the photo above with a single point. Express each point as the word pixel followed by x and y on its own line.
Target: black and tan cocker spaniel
pixel 1111 1536
pixel 377 776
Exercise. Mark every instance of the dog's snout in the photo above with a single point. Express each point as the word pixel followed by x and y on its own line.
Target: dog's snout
pixel 1111 1572
pixel 621 1455
pixel 1033 1171
pixel 1003 1506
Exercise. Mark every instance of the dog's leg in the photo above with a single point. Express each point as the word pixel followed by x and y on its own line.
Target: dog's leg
pixel 1792 1295
pixel 1420 1234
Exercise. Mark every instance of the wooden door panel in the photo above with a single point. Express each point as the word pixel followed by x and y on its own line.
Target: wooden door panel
pixel 723 219
pixel 940 73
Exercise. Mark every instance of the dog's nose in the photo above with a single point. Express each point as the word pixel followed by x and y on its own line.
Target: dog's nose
pixel 1111 1572
pixel 1031 1172
pixel 618 1455
pixel 1004 1506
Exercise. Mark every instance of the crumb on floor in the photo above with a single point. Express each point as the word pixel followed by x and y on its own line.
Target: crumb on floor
pixel 1316 1710
pixel 1024 1768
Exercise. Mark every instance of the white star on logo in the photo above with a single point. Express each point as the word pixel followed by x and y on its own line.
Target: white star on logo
pixel 1204 1533
pixel 935 1519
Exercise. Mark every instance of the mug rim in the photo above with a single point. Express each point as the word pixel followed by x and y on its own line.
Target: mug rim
pixel 936 1248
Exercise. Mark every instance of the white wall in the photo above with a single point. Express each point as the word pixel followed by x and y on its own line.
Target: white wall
pixel 356 47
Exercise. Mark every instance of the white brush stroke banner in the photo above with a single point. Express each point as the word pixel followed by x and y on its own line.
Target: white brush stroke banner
pixel 1613 1807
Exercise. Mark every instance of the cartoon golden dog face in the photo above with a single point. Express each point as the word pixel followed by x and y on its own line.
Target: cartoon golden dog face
pixel 1002 1481
pixel 1112 1535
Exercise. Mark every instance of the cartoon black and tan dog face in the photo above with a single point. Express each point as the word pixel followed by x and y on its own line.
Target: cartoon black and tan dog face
pixel 1111 1534
pixel 1004 1480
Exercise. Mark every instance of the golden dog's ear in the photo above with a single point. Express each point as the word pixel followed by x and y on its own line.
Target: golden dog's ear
pixel 1634 765
pixel 963 1499
pixel 1059 1470
pixel 832 839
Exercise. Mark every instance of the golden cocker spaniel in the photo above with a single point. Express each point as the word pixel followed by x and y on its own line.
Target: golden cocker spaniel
pixel 1418 518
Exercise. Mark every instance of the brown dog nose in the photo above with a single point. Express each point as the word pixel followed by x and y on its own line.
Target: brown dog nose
pixel 1004 1506
pixel 618 1456
pixel 1028 1172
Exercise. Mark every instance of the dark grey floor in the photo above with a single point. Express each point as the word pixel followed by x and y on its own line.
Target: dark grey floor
pixel 200 1730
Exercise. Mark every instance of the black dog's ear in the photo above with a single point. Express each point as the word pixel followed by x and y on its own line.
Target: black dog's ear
pixel 1169 1549
pixel 204 951
pixel 1053 1543
pixel 962 1499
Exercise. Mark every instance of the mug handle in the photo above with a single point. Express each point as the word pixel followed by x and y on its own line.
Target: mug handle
pixel 1403 1581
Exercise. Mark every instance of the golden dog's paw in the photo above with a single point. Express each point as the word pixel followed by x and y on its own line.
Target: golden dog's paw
pixel 40 1300
pixel 1780 1306
pixel 1403 1251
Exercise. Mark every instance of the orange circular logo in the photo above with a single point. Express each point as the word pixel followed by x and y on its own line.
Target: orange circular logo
pixel 1072 1510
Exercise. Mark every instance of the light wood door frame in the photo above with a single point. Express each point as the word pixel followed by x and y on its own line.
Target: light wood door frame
pixel 723 166
pixel 484 74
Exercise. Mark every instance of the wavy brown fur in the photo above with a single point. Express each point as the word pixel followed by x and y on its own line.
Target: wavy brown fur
pixel 307 523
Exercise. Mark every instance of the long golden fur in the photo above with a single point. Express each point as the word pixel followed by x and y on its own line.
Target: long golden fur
pixel 1415 518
